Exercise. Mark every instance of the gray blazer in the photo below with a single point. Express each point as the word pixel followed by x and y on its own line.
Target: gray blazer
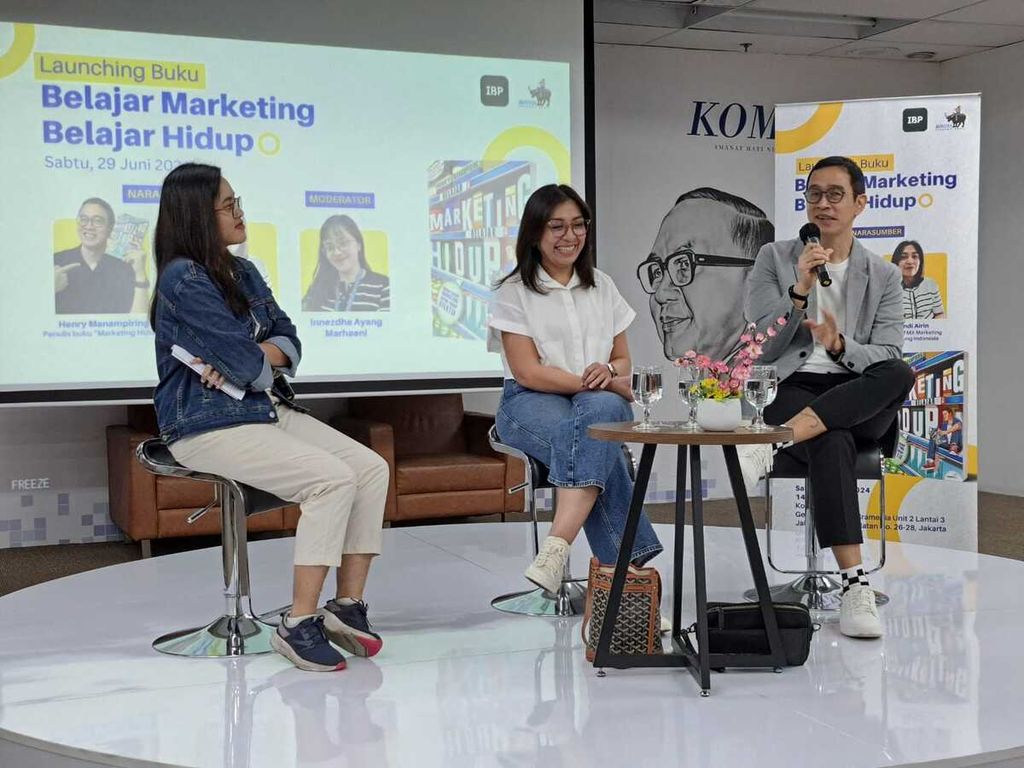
pixel 874 308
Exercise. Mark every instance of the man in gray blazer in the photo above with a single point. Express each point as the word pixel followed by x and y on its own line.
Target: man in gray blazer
pixel 839 361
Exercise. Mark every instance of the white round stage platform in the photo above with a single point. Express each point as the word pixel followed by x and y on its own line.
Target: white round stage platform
pixel 460 684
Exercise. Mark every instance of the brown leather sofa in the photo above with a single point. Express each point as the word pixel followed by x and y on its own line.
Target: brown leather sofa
pixel 441 463
pixel 146 506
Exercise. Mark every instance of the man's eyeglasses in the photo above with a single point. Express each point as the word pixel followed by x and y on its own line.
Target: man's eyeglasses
pixel 680 266
pixel 559 228
pixel 234 207
pixel 834 195
pixel 97 222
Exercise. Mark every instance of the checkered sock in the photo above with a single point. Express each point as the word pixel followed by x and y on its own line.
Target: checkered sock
pixel 853 577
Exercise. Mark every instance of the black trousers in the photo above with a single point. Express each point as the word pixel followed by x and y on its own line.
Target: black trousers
pixel 853 408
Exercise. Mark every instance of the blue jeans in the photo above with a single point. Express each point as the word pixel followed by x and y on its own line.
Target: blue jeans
pixel 553 429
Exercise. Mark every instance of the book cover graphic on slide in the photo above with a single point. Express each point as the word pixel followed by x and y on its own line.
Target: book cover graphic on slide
pixel 474 221
pixel 128 235
pixel 932 440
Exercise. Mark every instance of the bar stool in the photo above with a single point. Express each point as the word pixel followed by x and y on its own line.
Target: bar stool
pixel 238 632
pixel 815 586
pixel 571 597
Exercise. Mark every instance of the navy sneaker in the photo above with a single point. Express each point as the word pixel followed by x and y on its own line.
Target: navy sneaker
pixel 306 646
pixel 347 626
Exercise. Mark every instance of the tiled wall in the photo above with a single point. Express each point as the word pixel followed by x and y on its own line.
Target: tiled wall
pixel 50 517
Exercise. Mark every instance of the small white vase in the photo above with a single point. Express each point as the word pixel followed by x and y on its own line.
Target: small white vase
pixel 719 415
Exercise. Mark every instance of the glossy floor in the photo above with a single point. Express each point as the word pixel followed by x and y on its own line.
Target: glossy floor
pixel 459 684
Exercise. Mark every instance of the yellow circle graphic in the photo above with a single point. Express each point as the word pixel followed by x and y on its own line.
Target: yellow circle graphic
pixel 20 50
pixel 529 136
pixel 803 136
pixel 269 143
pixel 925 200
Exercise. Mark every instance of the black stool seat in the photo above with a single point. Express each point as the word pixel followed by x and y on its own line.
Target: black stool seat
pixel 160 461
pixel 867 467
pixel 539 473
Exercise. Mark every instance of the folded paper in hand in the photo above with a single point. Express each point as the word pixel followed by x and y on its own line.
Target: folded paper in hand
pixel 187 357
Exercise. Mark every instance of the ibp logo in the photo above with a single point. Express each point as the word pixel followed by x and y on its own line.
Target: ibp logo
pixel 712 118
pixel 494 91
pixel 915 119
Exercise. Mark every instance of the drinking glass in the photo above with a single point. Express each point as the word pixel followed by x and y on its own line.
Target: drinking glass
pixel 689 378
pixel 646 385
pixel 759 389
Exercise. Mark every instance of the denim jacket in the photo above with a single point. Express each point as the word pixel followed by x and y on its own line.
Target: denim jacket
pixel 191 312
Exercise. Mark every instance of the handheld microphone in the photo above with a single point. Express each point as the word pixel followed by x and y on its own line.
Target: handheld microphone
pixel 811 233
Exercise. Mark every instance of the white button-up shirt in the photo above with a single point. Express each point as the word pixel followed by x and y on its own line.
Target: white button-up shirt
pixel 571 326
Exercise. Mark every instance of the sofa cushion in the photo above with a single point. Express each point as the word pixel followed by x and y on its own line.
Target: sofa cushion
pixel 441 472
pixel 180 492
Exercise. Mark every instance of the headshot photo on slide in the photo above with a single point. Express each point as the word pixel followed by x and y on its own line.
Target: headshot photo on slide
pixel 344 269
pixel 923 281
pixel 100 261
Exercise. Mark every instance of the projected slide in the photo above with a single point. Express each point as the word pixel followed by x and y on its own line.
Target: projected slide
pixel 382 192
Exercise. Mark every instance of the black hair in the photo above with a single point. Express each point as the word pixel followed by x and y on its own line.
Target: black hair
pixel 897 257
pixel 838 161
pixel 532 224
pixel 186 227
pixel 102 204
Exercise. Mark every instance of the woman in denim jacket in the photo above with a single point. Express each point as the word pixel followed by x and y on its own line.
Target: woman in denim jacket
pixel 218 308
pixel 560 325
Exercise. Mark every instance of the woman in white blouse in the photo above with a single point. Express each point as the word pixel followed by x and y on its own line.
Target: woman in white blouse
pixel 560 325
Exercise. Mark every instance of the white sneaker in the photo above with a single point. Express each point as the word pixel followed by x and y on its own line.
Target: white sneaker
pixel 547 568
pixel 755 462
pixel 665 625
pixel 858 614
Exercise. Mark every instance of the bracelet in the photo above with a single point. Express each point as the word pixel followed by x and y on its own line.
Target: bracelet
pixel 611 370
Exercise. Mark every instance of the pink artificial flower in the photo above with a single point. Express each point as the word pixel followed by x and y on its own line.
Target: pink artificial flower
pixel 690 355
pixel 771 332
pixel 746 338
pixel 703 361
pixel 781 321
pixel 756 351
pixel 721 367
pixel 759 338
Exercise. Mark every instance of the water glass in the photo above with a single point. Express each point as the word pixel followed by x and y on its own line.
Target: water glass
pixel 689 393
pixel 647 390
pixel 759 389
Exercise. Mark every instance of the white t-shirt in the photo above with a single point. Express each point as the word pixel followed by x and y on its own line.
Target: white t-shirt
pixel 833 299
pixel 571 326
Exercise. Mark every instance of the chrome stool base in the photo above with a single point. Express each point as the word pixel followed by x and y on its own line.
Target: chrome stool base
pixel 568 601
pixel 818 593
pixel 243 635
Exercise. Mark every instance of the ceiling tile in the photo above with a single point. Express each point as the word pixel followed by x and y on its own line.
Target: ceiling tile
pixel 629 34
pixel 887 9
pixel 875 49
pixel 954 34
pixel 989 12
pixel 733 41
